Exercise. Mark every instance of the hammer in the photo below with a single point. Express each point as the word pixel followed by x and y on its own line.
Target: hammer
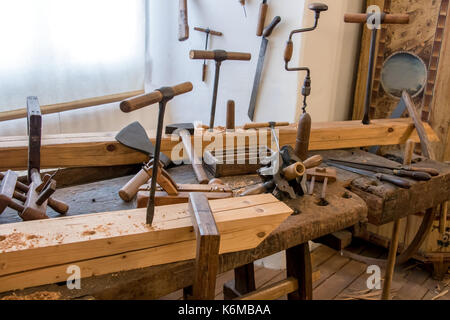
pixel 218 56
pixel 185 131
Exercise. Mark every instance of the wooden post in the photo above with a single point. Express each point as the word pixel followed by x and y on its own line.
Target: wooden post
pixel 243 283
pixel 208 242
pixel 298 264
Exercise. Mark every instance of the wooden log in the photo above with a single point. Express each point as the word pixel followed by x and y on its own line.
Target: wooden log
pixel 60 107
pixel 101 149
pixel 37 253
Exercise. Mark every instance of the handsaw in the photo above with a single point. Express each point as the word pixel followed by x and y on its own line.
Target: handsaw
pixel 135 137
pixel 262 54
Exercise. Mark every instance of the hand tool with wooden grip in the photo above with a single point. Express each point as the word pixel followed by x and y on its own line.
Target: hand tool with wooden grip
pixel 231 113
pixel 183 26
pixel 242 2
pixel 399 182
pixel 262 54
pixel 208 33
pixel 261 125
pixel 219 56
pixel 262 18
pixel 185 134
pixel 416 175
pixel 161 96
pixel 304 124
pixel 372 19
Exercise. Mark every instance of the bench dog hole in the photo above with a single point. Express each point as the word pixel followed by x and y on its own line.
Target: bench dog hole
pixel 2 238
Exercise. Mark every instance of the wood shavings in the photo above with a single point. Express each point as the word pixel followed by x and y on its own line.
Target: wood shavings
pixel 44 295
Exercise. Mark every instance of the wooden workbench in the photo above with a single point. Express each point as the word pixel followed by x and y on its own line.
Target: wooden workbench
pixel 349 200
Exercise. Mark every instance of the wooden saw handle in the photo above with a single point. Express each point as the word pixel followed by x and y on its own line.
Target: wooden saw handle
pixel 262 18
pixel 385 18
pixel 183 26
pixel 148 99
pixel 211 55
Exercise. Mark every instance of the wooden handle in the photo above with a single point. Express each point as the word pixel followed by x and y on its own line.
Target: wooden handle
pixel 57 205
pixel 303 136
pixel 196 161
pixel 431 171
pixel 183 26
pixel 214 33
pixel 385 18
pixel 269 29
pixel 231 115
pixel 313 162
pixel 294 171
pixel 264 125
pixel 148 99
pixel 259 189
pixel 129 190
pixel 416 175
pixel 211 55
pixel 409 151
pixel 261 19
pixel 288 51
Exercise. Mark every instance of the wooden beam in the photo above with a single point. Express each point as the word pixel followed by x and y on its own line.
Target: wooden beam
pixel 101 149
pixel 60 107
pixel 39 252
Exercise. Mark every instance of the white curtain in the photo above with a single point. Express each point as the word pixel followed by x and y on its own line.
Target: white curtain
pixel 68 50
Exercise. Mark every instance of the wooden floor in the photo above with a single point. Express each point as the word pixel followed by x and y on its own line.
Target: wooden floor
pixel 345 279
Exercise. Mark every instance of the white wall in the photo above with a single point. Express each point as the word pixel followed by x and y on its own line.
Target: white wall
pixel 330 51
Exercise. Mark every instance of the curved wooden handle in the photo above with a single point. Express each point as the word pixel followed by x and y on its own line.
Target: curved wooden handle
pixel 211 55
pixel 148 99
pixel 288 51
pixel 129 190
pixel 261 19
pixel 313 162
pixel 385 18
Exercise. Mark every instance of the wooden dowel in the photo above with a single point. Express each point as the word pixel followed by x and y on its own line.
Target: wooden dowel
pixel 79 104
pixel 211 55
pixel 386 18
pixel 231 115
pixel 264 125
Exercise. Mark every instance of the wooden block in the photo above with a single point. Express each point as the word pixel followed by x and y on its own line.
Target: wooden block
pixel 322 173
pixel 38 252
pixel 337 240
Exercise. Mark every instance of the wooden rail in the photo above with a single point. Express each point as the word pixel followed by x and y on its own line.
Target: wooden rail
pixel 101 149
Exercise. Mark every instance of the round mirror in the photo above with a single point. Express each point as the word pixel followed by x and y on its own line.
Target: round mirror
pixel 403 71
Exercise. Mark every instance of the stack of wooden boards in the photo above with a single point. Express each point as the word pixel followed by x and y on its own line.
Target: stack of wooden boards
pixel 39 252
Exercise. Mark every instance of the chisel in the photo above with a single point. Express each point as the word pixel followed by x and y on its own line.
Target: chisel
pixel 262 54
pixel 399 182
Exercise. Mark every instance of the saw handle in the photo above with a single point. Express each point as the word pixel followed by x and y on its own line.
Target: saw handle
pixel 385 18
pixel 269 29
pixel 262 18
pixel 211 55
pixel 148 99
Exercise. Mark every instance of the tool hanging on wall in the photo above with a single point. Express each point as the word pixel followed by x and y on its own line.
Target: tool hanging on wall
pixel 161 96
pixel 219 56
pixel 262 18
pixel 37 195
pixel 242 2
pixel 304 124
pixel 262 54
pixel 183 26
pixel 374 22
pixel 208 33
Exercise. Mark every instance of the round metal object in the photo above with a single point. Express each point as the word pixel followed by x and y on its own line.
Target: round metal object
pixel 403 71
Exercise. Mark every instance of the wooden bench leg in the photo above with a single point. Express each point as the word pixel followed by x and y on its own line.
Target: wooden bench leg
pixel 243 283
pixel 298 264
pixel 208 242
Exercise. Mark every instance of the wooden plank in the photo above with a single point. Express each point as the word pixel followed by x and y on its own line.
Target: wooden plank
pixel 117 241
pixel 60 107
pixel 101 149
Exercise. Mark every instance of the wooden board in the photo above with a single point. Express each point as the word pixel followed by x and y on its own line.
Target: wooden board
pixel 101 149
pixel 39 252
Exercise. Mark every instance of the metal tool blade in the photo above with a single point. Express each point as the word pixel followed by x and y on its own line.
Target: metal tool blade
pixel 135 137
pixel 257 80
pixel 368 167
pixel 354 170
